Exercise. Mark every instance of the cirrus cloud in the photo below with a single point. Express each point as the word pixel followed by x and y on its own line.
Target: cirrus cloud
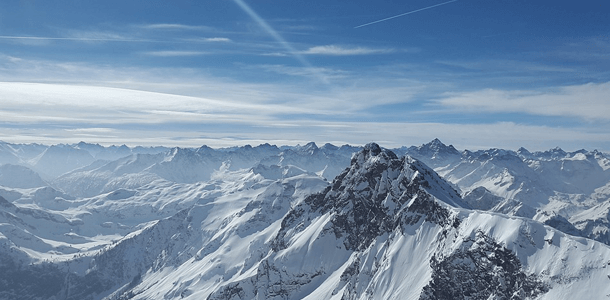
pixel 342 50
pixel 587 101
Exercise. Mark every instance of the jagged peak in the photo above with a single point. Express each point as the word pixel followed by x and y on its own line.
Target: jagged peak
pixel 522 150
pixel 310 146
pixel 436 141
pixel 374 193
pixel 267 146
pixel 180 152
pixel 369 151
pixel 436 146
pixel 205 148
pixel 555 153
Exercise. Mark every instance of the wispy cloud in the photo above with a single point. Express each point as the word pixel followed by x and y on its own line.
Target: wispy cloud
pixel 341 50
pixel 312 72
pixel 107 38
pixel 505 66
pixel 174 26
pixel 588 101
pixel 172 106
pixel 175 53
pixel 218 39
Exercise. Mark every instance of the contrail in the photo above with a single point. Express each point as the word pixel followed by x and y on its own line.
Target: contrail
pixel 404 14
pixel 262 23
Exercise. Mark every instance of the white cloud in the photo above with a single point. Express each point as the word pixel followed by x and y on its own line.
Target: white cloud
pixel 298 131
pixel 312 72
pixel 170 53
pixel 176 106
pixel 174 26
pixel 78 36
pixel 341 50
pixel 218 39
pixel 587 101
pixel 33 103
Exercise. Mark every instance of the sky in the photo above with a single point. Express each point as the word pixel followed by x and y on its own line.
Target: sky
pixel 474 73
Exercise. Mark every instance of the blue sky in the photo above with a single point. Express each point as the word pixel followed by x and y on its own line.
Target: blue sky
pixel 476 74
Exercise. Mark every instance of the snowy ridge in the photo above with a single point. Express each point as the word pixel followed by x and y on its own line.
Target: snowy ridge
pixel 560 188
pixel 343 244
pixel 262 223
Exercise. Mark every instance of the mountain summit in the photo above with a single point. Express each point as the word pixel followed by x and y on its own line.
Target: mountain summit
pixel 390 227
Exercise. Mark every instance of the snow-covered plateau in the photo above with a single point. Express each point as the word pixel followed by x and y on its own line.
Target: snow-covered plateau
pixel 84 221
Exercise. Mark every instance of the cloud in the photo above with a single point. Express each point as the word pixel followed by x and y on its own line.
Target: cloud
pixel 218 39
pixel 81 37
pixel 587 101
pixel 311 72
pixel 505 66
pixel 175 53
pixel 188 107
pixel 341 50
pixel 174 26
pixel 32 103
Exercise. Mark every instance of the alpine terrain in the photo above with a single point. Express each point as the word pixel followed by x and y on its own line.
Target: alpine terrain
pixel 84 221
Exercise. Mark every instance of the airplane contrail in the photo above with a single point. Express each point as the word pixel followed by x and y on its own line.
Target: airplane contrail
pixel 262 23
pixel 404 14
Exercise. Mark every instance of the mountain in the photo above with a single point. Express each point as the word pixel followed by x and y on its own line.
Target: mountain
pixel 162 227
pixel 435 154
pixel 261 223
pixel 556 187
pixel 179 165
pixel 391 228
pixel 59 159
pixel 15 176
pixel 7 154
pixel 327 161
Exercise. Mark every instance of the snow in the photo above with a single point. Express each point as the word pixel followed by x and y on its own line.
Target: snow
pixel 180 223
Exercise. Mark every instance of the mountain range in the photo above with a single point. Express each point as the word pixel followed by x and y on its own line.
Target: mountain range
pixel 85 221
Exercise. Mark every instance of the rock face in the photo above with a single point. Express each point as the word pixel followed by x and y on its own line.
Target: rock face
pixel 481 269
pixel 369 198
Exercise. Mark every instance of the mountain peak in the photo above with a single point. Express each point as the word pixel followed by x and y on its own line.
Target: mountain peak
pixel 371 150
pixel 310 146
pixel 329 146
pixel 436 141
pixel 374 194
pixel 438 147
pixel 523 151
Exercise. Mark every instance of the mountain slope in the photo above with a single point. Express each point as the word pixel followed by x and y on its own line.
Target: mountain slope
pixel 386 227
pixel 378 233
pixel 15 176
pixel 556 187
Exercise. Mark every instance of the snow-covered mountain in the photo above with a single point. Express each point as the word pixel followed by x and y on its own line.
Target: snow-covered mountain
pixel 327 161
pixel 547 186
pixel 16 176
pixel 270 222
pixel 386 227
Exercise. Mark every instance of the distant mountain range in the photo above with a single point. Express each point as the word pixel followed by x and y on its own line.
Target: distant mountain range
pixel 85 221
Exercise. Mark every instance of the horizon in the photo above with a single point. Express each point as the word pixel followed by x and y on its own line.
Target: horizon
pixel 319 145
pixel 475 74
